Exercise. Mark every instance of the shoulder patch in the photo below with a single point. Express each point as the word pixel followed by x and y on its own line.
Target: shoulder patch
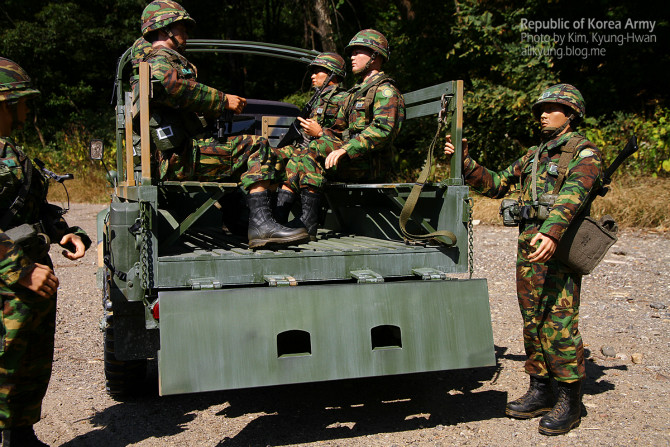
pixel 387 92
pixel 586 153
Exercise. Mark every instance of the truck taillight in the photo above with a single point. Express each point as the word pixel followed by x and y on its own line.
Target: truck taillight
pixel 155 311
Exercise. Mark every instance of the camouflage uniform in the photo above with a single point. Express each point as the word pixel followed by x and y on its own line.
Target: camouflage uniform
pixel 247 158
pixel 548 293
pixel 178 103
pixel 28 320
pixel 367 141
pixel 365 127
pixel 325 110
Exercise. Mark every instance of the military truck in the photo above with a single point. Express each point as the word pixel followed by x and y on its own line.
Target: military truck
pixel 362 300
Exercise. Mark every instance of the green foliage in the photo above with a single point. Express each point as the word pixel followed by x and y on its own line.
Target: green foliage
pixel 71 47
pixel 502 82
pixel 653 135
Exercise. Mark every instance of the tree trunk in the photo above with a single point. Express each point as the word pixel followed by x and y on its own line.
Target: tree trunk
pixel 325 25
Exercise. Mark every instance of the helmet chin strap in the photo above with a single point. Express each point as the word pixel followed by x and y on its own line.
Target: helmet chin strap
pixel 368 64
pixel 549 133
pixel 179 47
pixel 14 110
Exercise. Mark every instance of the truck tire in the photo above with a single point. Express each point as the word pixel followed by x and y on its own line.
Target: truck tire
pixel 123 378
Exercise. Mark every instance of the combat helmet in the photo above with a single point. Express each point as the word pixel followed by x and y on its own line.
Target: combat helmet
pixel 372 39
pixel 161 13
pixel 332 62
pixel 14 81
pixel 564 94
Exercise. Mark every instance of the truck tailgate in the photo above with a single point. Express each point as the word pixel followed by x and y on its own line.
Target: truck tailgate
pixel 257 336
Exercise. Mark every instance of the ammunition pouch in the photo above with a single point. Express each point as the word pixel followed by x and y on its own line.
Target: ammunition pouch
pixel 586 242
pixel 510 212
pixel 545 205
pixel 171 129
pixel 32 240
pixel 513 213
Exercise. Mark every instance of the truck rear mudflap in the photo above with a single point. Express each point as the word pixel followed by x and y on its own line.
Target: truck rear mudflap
pixel 240 338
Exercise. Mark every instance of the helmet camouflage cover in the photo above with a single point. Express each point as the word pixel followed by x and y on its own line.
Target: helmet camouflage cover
pixel 161 13
pixel 564 94
pixel 14 81
pixel 332 62
pixel 372 39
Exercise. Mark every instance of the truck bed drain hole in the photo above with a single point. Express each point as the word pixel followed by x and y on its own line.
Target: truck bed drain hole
pixel 293 343
pixel 385 336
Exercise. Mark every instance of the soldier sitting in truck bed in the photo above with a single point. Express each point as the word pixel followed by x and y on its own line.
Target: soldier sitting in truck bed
pixel 354 148
pixel 183 151
pixel 330 69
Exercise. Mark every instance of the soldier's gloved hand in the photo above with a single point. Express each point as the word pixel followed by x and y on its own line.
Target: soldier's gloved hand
pixel 72 239
pixel 334 157
pixel 235 103
pixel 449 147
pixel 40 280
pixel 311 127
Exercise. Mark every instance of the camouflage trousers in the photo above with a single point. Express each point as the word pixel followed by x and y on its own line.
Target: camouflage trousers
pixel 548 296
pixel 26 355
pixel 305 165
pixel 243 158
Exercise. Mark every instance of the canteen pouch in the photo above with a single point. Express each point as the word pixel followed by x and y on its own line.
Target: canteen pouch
pixel 586 242
pixel 509 210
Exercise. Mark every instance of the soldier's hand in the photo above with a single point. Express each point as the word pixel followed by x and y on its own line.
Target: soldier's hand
pixel 311 127
pixel 78 244
pixel 545 250
pixel 334 157
pixel 449 147
pixel 235 103
pixel 40 280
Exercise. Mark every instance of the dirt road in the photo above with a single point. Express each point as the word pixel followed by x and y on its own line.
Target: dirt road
pixel 627 403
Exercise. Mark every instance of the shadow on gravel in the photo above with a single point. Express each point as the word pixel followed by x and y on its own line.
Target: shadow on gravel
pixel 294 414
pixel 593 385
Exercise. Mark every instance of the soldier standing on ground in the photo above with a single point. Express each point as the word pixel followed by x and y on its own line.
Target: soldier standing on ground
pixel 184 152
pixel 28 284
pixel 325 67
pixel 357 148
pixel 547 290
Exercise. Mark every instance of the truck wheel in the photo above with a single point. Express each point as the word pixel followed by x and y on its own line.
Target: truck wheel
pixel 123 378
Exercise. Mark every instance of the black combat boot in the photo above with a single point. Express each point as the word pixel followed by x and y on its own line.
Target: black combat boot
pixel 263 230
pixel 538 400
pixel 21 437
pixel 311 208
pixel 566 414
pixel 283 205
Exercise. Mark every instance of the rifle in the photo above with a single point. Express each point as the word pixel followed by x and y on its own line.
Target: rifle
pixel 294 132
pixel 224 125
pixel 628 150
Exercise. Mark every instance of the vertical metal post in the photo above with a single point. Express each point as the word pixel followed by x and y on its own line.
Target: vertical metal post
pixel 130 166
pixel 457 133
pixel 145 72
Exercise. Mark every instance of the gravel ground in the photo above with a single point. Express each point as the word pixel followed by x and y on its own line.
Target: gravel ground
pixel 626 397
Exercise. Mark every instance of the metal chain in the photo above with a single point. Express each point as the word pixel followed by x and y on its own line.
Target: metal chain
pixel 471 238
pixel 146 249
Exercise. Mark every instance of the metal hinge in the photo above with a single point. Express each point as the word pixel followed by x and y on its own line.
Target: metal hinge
pixel 430 274
pixel 366 276
pixel 205 284
pixel 280 280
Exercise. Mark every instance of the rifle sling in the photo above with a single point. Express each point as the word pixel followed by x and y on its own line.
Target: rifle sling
pixel 413 198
